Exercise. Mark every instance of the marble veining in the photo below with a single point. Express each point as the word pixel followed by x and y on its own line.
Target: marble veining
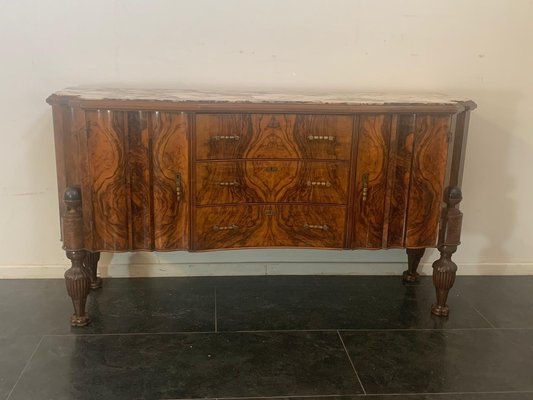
pixel 182 95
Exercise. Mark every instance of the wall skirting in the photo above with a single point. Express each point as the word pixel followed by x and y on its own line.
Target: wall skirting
pixel 286 268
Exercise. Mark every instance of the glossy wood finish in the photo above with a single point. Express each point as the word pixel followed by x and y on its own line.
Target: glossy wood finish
pixel 237 136
pixel 202 174
pixel 271 181
pixel 269 225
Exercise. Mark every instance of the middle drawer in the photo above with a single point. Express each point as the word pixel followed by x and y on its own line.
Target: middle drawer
pixel 236 182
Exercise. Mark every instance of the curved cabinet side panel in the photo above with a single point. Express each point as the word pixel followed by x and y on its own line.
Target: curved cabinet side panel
pixel 427 179
pixel 170 173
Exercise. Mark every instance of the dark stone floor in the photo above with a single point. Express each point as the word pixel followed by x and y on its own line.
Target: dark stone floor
pixel 248 337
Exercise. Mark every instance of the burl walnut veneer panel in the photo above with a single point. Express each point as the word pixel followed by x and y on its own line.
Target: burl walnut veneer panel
pixel 135 160
pixel 269 226
pixel 271 181
pixel 229 136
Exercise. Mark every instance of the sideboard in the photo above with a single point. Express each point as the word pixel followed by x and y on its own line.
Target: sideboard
pixel 160 170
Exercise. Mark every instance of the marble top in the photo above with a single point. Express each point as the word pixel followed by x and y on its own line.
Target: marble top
pixel 185 95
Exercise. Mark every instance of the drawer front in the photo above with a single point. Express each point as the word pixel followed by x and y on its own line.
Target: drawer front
pixel 271 181
pixel 265 226
pixel 234 136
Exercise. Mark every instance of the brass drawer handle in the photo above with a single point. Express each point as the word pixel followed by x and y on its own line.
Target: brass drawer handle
pixel 226 137
pixel 320 137
pixel 225 228
pixel 365 186
pixel 179 192
pixel 229 183
pixel 319 183
pixel 321 227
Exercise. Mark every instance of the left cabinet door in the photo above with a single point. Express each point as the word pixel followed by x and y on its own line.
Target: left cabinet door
pixel 137 180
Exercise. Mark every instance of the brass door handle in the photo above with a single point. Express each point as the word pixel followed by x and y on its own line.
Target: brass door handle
pixel 225 228
pixel 179 192
pixel 321 227
pixel 228 183
pixel 321 137
pixel 365 187
pixel 226 137
pixel 318 183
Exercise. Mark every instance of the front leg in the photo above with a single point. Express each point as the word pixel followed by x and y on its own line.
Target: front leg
pixel 413 260
pixel 77 277
pixel 91 264
pixel 444 269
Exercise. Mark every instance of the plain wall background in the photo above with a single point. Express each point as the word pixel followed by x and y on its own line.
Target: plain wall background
pixel 466 48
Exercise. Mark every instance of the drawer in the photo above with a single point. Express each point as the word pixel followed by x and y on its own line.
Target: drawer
pixel 233 136
pixel 269 225
pixel 271 181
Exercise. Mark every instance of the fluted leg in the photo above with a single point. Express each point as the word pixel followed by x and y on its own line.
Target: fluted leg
pixel 444 269
pixel 413 260
pixel 91 264
pixel 78 282
pixel 77 277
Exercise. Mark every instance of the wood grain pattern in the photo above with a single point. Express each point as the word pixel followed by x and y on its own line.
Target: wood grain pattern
pixel 401 174
pixel 269 225
pixel 139 179
pixel 271 181
pixel 372 162
pixel 234 136
pixel 107 172
pixel 170 157
pixel 427 180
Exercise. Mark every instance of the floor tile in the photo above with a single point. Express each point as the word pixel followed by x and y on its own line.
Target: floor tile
pixel 14 353
pixel 188 366
pixel 442 361
pixel 121 306
pixel 506 301
pixel 335 302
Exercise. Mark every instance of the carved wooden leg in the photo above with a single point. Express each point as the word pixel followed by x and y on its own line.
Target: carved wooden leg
pixel 413 260
pixel 444 269
pixel 77 277
pixel 91 264
pixel 78 281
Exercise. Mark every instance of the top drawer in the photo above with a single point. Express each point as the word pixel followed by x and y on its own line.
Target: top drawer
pixel 234 136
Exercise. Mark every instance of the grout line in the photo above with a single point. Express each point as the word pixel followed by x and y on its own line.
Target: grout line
pixel 216 317
pixel 25 367
pixel 351 362
pixel 485 318
pixel 288 331
pixel 358 395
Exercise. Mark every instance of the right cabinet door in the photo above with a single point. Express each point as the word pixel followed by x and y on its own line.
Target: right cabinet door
pixel 400 176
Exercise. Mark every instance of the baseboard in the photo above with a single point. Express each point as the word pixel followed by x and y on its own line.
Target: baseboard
pixel 286 268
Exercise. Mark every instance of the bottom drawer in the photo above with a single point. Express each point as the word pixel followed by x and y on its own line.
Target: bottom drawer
pixel 269 225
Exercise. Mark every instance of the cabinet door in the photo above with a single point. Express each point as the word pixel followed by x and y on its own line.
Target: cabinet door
pixel 400 171
pixel 136 180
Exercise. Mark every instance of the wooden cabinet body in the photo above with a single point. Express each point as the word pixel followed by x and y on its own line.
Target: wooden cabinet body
pixel 174 170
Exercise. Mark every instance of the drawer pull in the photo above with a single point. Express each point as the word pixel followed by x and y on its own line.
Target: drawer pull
pixel 226 137
pixel 365 187
pixel 229 183
pixel 179 192
pixel 319 183
pixel 225 228
pixel 321 227
pixel 320 137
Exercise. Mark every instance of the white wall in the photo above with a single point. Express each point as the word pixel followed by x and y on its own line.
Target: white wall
pixel 469 48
